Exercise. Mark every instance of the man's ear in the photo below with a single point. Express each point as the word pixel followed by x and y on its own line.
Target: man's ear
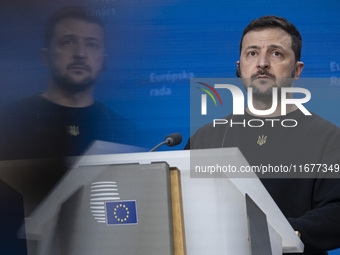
pixel 238 69
pixel 45 55
pixel 298 69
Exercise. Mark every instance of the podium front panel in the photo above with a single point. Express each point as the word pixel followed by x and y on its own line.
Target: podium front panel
pixel 125 209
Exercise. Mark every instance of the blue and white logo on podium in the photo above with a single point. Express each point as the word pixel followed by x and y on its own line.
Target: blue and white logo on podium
pixel 102 192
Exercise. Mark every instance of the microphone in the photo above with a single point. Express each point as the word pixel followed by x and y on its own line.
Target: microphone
pixel 171 140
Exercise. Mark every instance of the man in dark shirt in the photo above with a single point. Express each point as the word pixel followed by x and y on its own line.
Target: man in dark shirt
pixel 270 52
pixel 65 119
pixel 62 121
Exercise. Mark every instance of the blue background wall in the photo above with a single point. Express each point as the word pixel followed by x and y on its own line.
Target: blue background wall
pixel 156 46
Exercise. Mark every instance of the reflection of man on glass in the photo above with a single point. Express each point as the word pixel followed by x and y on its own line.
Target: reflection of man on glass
pixel 270 53
pixel 64 119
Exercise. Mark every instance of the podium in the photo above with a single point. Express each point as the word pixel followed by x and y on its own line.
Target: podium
pixel 222 215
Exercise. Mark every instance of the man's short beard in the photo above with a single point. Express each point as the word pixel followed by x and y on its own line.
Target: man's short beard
pixel 263 95
pixel 267 95
pixel 66 83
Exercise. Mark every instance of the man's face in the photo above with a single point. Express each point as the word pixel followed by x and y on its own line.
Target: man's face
pixel 76 54
pixel 267 60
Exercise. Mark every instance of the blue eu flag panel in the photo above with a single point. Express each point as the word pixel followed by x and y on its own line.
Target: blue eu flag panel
pixel 121 212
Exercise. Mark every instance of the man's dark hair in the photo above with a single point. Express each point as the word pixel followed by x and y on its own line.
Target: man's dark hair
pixel 276 22
pixel 75 12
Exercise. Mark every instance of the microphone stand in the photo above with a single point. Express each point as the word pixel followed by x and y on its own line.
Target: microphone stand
pixel 159 145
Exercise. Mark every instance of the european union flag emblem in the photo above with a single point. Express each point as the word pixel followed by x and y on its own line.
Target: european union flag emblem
pixel 121 212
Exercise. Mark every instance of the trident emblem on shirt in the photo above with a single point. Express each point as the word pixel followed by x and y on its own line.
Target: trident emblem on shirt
pixel 73 130
pixel 261 140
